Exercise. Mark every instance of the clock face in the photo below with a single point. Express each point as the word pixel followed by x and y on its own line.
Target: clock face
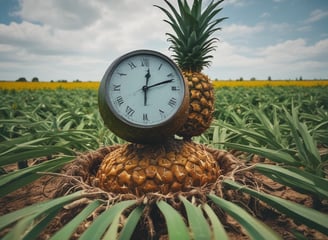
pixel 144 88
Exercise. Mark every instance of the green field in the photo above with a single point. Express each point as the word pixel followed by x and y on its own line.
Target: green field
pixel 287 125
pixel 75 113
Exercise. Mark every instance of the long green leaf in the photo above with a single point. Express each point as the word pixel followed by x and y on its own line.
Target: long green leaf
pixel 18 231
pixel 69 228
pixel 197 222
pixel 176 227
pixel 273 155
pixel 217 228
pixel 104 220
pixel 310 217
pixel 38 227
pixel 14 180
pixel 113 228
pixel 33 152
pixel 296 178
pixel 131 223
pixel 305 143
pixel 38 208
pixel 255 228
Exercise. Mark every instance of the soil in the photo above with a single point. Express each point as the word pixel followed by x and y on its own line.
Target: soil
pixel 50 186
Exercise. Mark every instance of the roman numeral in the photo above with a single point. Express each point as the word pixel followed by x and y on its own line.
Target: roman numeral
pixel 145 117
pixel 170 75
pixel 119 100
pixel 174 88
pixel 129 111
pixel 145 62
pixel 117 87
pixel 132 65
pixel 121 74
pixel 162 113
pixel 172 102
pixel 160 66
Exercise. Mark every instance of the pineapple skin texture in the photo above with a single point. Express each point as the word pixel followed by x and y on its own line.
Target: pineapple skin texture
pixel 201 105
pixel 171 167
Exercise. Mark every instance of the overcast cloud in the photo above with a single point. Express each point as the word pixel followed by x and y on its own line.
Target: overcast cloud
pixel 77 39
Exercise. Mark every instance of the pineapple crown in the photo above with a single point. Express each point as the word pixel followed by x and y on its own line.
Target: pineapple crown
pixel 192 42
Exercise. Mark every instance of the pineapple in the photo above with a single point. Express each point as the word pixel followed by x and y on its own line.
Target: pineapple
pixel 173 166
pixel 192 44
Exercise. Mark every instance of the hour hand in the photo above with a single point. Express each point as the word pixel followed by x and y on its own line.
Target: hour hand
pixel 147 76
pixel 145 87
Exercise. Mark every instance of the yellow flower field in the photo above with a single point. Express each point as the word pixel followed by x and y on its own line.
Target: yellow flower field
pixel 217 84
pixel 265 83
pixel 48 85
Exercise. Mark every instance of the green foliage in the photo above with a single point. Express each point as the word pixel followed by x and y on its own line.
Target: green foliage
pixel 193 28
pixel 307 216
pixel 285 124
pixel 254 228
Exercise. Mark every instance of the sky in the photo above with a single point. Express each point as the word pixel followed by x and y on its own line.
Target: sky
pixel 78 39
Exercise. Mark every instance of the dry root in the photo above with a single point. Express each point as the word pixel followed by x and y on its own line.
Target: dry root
pixel 80 175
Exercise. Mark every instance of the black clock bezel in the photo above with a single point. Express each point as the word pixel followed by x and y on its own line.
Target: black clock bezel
pixel 131 131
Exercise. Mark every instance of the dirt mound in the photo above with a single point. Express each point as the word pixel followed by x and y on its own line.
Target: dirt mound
pixel 80 175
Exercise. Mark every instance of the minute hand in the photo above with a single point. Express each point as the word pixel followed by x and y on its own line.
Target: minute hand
pixel 160 83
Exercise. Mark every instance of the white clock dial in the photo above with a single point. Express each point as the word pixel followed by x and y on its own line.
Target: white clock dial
pixel 143 97
pixel 145 89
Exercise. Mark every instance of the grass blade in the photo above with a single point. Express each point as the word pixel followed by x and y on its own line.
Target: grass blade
pixel 310 217
pixel 131 223
pixel 273 155
pixel 69 228
pixel 14 180
pixel 34 152
pixel 255 228
pixel 217 228
pixel 176 227
pixel 300 180
pixel 305 144
pixel 104 220
pixel 12 217
pixel 39 227
pixel 197 222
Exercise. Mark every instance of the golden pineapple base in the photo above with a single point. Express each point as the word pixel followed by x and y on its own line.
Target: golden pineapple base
pixel 173 166
pixel 80 175
pixel 201 105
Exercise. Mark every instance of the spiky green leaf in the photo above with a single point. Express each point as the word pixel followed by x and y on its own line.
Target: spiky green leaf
pixel 176 227
pixel 308 216
pixel 198 224
pixel 255 228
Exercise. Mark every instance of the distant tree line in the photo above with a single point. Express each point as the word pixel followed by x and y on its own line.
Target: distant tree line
pixel 23 79
pixel 35 79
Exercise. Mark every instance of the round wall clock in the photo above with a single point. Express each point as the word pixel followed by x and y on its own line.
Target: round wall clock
pixel 143 97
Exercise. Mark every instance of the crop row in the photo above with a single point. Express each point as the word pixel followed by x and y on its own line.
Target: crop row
pixel 288 125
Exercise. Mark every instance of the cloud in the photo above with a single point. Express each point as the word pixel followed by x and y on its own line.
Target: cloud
pixel 65 14
pixel 242 30
pixel 237 3
pixel 288 59
pixel 316 15
pixel 56 40
pixel 265 15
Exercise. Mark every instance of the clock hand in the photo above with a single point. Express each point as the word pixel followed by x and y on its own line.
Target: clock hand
pixel 157 84
pixel 147 76
pixel 145 88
